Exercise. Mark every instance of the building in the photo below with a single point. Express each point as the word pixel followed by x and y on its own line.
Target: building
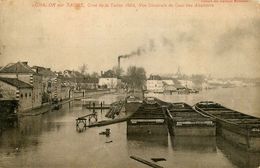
pixel 15 89
pixel 88 83
pixel 109 80
pixel 187 83
pixel 24 73
pixel 66 92
pixel 51 84
pixel 155 84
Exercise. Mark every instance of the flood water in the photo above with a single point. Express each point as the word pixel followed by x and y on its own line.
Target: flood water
pixel 51 140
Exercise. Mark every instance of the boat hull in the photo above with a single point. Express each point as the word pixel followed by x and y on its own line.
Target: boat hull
pixel 242 135
pixel 195 131
pixel 132 107
pixel 147 129
pixel 148 119
pixel 238 136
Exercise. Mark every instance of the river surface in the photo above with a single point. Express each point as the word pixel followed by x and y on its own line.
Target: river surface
pixel 51 140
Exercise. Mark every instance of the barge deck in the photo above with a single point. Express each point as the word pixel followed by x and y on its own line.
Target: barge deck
pixel 185 121
pixel 149 119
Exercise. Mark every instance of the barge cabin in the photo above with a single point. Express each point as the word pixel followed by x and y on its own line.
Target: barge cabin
pixel 241 129
pixel 185 121
pixel 149 119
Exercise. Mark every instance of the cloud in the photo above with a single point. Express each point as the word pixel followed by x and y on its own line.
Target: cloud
pixel 233 40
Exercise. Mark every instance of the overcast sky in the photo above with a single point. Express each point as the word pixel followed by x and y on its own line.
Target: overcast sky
pixel 222 41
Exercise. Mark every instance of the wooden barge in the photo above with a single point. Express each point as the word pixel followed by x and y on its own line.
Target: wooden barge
pixel 238 156
pixel 132 103
pixel 241 129
pixel 185 121
pixel 149 119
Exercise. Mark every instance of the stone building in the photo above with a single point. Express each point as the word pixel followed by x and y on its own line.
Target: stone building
pixel 14 89
pixel 51 83
pixel 109 80
pixel 24 73
pixel 155 84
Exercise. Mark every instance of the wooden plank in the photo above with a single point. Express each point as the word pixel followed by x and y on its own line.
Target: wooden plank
pixel 145 162
pixel 108 122
pixel 98 107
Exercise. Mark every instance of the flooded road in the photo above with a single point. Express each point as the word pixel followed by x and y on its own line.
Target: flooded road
pixel 51 140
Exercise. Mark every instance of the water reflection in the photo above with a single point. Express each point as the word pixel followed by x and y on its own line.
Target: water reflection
pixel 194 144
pixel 239 157
pixel 148 140
pixel 29 129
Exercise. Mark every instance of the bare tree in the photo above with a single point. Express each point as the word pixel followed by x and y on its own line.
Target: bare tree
pixel 94 75
pixel 135 77
pixel 118 71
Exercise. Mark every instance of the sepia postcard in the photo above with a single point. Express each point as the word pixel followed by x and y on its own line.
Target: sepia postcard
pixel 129 83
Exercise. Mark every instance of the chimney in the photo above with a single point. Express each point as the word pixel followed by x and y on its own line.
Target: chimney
pixel 101 73
pixel 118 61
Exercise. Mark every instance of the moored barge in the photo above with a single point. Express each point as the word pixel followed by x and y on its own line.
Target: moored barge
pixel 185 121
pixel 132 104
pixel 149 119
pixel 241 129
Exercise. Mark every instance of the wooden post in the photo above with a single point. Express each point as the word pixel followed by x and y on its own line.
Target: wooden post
pixel 94 105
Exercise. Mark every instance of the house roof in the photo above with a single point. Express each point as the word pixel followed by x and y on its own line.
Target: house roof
pixel 109 74
pixel 46 72
pixel 19 67
pixel 15 82
pixel 87 80
pixel 154 77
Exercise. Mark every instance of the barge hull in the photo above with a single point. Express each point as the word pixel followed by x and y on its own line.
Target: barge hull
pixel 147 129
pixel 194 131
pixel 240 135
pixel 185 121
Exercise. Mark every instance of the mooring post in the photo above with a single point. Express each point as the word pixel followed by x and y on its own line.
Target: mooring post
pixel 94 105
pixel 85 124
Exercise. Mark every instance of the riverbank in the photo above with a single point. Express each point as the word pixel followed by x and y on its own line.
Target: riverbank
pixel 48 107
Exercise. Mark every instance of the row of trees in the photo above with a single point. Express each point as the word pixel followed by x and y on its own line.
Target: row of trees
pixel 134 77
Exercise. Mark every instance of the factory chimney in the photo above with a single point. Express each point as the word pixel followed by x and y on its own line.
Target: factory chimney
pixel 118 62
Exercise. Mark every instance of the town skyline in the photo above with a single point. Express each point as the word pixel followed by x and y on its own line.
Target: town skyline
pixel 222 44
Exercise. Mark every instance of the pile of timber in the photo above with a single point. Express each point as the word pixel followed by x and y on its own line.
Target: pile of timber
pixel 114 109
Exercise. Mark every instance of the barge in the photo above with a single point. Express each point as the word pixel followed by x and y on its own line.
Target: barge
pixel 149 119
pixel 185 121
pixel 241 129
pixel 132 104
